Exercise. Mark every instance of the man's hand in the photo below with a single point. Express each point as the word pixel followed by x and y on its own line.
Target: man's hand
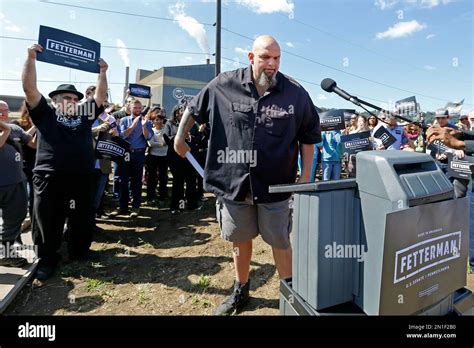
pixel 136 121
pixel 103 127
pixel 33 50
pixel 180 146
pixel 448 136
pixel 441 157
pixel 303 179
pixel 103 65
pixel 4 127
pixel 459 154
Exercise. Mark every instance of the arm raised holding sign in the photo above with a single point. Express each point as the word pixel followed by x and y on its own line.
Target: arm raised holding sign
pixel 101 91
pixel 33 96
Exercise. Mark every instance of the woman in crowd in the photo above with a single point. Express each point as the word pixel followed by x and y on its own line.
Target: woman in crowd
pixel 181 169
pixel 156 160
pixel 29 157
pixel 373 121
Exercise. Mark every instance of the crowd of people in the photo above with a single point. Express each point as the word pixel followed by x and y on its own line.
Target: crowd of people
pixel 49 166
pixel 331 164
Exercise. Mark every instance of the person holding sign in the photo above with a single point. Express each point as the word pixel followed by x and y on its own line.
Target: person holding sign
pixel 395 130
pixel 13 192
pixel 460 185
pixel 63 175
pixel 259 119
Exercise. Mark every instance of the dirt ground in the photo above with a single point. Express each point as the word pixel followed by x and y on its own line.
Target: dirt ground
pixel 157 264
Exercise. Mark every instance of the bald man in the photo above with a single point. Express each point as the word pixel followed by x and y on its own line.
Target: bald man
pixel 259 119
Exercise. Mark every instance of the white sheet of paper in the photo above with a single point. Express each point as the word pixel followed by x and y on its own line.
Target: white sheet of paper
pixel 195 164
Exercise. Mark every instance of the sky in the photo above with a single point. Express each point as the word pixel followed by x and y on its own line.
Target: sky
pixel 378 50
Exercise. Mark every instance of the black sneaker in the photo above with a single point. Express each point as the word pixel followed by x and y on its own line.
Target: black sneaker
pixel 13 261
pixel 44 272
pixel 119 212
pixel 236 301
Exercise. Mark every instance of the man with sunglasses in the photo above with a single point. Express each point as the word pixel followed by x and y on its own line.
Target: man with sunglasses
pixel 63 174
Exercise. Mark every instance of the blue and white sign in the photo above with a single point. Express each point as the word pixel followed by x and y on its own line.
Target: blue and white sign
pixel 68 49
pixel 140 91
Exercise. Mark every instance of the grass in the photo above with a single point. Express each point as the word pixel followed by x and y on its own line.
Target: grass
pixel 93 284
pixel 203 281
pixel 200 301
pixel 144 295
pixel 144 244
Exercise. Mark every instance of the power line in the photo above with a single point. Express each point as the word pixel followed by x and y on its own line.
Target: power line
pixel 352 43
pixel 121 13
pixel 377 53
pixel 202 84
pixel 116 47
pixel 305 81
pixel 342 71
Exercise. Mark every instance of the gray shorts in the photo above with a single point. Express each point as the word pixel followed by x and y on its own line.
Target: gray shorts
pixel 243 221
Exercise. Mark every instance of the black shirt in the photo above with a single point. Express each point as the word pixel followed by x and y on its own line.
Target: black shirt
pixel 64 143
pixel 269 129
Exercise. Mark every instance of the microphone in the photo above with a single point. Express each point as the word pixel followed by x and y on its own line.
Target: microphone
pixel 329 85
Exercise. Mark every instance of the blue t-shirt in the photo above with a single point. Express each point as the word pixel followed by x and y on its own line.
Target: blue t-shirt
pixel 331 146
pixel 135 138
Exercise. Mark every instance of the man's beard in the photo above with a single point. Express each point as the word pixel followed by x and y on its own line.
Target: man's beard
pixel 266 81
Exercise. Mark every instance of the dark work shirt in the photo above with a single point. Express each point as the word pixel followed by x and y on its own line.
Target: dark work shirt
pixel 254 140
pixel 11 162
pixel 64 144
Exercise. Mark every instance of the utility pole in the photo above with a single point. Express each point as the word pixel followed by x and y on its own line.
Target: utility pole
pixel 218 37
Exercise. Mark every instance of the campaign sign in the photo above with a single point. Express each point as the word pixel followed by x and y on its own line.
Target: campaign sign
pixel 424 256
pixel 460 169
pixel 407 107
pixel 69 50
pixel 332 120
pixel 355 143
pixel 384 135
pixel 139 91
pixel 111 147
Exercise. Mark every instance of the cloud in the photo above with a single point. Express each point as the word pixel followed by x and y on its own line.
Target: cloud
pixel 8 25
pixel 190 25
pixel 430 36
pixel 123 52
pixel 241 50
pixel 321 97
pixel 290 44
pixel 420 4
pixel 385 4
pixel 429 67
pixel 186 60
pixel 265 6
pixel 401 29
pixel 433 3
pixel 13 28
